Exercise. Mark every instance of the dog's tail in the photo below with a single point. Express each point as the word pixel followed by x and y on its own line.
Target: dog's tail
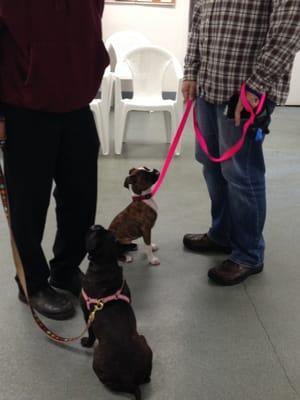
pixel 137 393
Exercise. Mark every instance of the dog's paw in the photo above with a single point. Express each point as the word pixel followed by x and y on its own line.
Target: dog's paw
pixel 86 342
pixel 128 259
pixel 154 261
pixel 154 247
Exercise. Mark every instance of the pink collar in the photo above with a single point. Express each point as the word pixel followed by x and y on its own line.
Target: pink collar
pixel 101 302
pixel 142 197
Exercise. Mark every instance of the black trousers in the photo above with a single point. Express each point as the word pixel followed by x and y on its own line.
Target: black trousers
pixel 43 148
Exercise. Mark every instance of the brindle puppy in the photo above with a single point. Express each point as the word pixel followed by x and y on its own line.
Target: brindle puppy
pixel 138 218
pixel 122 358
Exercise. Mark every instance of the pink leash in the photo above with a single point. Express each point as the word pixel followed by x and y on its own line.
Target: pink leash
pixel 227 154
pixel 239 144
pixel 173 147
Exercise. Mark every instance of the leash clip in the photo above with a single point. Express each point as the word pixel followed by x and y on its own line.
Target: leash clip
pixel 98 307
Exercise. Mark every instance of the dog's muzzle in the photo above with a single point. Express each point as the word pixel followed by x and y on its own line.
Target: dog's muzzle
pixel 155 174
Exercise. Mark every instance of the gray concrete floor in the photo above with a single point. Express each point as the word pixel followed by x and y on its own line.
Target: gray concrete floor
pixel 209 342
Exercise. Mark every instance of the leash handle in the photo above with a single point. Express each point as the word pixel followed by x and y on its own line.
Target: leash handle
pixel 239 144
pixel 173 146
pixel 248 106
pixel 21 274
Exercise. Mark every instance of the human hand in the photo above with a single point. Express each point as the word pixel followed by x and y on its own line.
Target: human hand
pixel 189 90
pixel 252 100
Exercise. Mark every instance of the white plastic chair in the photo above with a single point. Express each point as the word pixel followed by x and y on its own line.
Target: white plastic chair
pixel 119 44
pixel 101 108
pixel 148 65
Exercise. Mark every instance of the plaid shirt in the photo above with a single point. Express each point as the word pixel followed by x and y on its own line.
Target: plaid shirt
pixel 232 41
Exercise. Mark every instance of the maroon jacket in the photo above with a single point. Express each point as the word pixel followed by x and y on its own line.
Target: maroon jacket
pixel 52 57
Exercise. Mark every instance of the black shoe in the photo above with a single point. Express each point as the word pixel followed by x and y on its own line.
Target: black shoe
pixel 50 303
pixel 201 243
pixel 72 285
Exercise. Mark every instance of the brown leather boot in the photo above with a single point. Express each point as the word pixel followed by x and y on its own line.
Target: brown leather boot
pixel 201 243
pixel 230 273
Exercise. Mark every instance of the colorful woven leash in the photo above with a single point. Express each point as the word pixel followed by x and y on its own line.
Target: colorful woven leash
pixel 227 154
pixel 21 275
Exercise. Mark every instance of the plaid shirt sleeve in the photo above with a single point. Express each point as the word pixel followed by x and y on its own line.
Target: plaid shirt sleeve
pixel 282 44
pixel 192 58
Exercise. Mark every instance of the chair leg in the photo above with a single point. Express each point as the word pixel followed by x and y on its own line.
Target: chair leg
pixel 95 108
pixel 103 134
pixel 120 121
pixel 168 127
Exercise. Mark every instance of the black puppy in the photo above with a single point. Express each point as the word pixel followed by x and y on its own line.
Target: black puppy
pixel 122 358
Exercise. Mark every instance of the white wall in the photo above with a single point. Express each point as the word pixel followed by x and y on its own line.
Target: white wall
pixel 294 97
pixel 164 26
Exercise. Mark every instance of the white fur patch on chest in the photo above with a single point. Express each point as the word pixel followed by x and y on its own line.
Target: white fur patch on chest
pixel 151 203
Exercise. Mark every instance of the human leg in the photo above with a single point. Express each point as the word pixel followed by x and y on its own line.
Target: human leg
pixel 216 184
pixel 76 196
pixel 29 163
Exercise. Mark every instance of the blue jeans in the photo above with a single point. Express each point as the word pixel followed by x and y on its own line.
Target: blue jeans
pixel 236 187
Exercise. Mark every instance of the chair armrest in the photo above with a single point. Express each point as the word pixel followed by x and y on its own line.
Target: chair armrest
pixel 107 72
pixel 118 88
pixel 177 68
pixel 105 84
pixel 179 78
pixel 123 71
pixel 179 96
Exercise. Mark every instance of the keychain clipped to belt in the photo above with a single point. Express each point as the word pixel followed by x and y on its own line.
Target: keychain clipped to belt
pixel 260 126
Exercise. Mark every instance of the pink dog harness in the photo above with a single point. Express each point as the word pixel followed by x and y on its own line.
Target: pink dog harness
pixel 100 303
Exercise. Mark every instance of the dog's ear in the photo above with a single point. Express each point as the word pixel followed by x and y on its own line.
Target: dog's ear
pixel 127 182
pixel 130 180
